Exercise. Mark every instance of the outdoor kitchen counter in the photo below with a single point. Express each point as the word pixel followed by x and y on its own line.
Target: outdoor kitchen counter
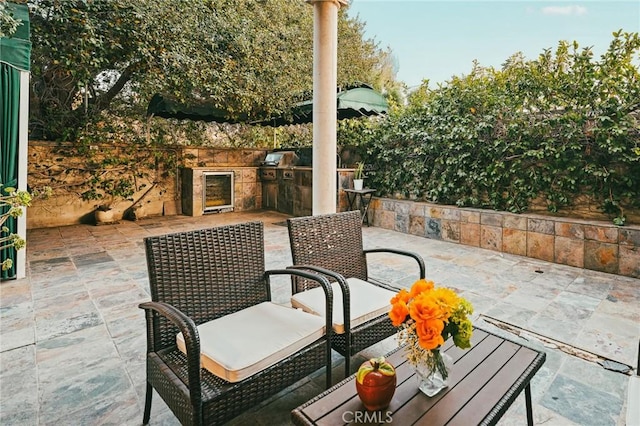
pixel 290 190
pixel 284 189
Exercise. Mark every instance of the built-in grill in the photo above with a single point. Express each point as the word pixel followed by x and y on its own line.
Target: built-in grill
pixel 277 160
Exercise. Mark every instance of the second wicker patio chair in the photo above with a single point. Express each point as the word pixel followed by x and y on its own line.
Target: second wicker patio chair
pixel 332 244
pixel 216 344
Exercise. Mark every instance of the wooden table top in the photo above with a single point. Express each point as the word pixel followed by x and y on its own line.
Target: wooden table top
pixel 483 382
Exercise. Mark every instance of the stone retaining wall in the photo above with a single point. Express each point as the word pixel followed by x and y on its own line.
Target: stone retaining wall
pixel 48 161
pixel 594 245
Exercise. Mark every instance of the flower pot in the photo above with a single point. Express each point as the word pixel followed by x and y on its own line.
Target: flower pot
pixel 103 216
pixel 358 184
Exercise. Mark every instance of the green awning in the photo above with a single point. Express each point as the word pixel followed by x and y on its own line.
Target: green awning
pixel 361 101
pixel 166 107
pixel 16 50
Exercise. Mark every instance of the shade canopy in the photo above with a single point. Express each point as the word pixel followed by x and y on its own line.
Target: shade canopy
pixel 16 50
pixel 167 107
pixel 354 102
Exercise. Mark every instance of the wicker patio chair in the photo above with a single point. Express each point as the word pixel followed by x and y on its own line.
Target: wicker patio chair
pixel 219 274
pixel 332 244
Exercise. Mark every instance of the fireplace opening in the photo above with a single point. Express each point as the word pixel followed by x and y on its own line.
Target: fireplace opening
pixel 217 191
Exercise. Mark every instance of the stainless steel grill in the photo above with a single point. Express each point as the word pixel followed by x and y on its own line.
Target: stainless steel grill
pixel 277 160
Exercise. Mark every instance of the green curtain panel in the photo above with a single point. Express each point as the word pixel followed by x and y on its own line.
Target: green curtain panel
pixel 15 55
pixel 9 110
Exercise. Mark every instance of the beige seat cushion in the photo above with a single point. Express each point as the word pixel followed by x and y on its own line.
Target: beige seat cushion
pixel 368 301
pixel 238 345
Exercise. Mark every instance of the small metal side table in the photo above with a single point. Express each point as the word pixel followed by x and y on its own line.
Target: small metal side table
pixel 359 199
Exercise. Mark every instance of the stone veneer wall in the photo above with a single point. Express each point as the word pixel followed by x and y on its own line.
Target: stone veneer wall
pixel 585 244
pixel 67 208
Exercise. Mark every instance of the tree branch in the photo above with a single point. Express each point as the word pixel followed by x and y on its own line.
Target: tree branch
pixel 103 101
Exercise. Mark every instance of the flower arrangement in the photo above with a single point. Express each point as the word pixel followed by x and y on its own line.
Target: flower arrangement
pixel 426 317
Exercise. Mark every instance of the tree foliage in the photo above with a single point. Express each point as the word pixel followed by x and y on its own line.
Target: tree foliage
pixel 552 128
pixel 8 23
pixel 93 59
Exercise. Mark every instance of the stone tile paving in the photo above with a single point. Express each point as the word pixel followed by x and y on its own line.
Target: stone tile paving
pixel 72 337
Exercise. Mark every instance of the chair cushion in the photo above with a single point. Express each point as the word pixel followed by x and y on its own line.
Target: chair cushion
pixel 368 301
pixel 238 345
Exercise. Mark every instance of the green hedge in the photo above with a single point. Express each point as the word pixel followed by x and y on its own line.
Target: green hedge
pixel 555 128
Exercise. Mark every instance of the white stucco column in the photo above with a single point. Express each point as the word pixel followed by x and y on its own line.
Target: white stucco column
pixel 23 151
pixel 23 148
pixel 325 75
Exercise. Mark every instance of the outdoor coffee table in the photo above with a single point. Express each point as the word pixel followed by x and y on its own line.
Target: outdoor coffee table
pixel 483 382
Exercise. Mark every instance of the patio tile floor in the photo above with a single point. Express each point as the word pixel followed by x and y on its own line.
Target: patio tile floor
pixel 72 338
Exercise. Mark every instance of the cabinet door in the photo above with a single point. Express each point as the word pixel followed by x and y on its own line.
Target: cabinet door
pixel 270 195
pixel 285 196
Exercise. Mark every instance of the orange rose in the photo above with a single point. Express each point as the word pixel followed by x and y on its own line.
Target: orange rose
pixel 398 313
pixel 421 286
pixel 403 295
pixel 430 333
pixel 424 308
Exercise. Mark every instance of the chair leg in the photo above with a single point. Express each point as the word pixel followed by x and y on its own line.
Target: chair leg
pixel 147 404
pixel 347 365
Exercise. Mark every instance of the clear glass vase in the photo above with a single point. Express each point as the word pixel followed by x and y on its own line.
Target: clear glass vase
pixel 432 374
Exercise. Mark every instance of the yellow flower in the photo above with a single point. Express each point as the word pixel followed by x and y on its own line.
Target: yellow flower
pixel 447 300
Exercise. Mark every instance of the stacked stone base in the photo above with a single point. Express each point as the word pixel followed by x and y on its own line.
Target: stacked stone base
pixel 599 246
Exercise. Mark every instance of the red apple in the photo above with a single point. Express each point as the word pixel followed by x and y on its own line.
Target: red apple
pixel 376 383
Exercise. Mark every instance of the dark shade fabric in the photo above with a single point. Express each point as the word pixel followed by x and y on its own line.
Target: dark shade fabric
pixel 167 107
pixel 9 111
pixel 350 103
pixel 16 50
pixel 15 55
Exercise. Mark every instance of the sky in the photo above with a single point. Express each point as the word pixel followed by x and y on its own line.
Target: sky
pixel 437 39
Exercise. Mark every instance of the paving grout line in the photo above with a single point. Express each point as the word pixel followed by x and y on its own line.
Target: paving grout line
pixel 550 343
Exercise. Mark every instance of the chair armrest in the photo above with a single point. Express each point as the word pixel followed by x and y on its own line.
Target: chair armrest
pixel 324 283
pixel 342 282
pixel 415 256
pixel 328 292
pixel 191 340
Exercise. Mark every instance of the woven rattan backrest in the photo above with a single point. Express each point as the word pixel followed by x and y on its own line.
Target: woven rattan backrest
pixel 332 241
pixel 206 273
